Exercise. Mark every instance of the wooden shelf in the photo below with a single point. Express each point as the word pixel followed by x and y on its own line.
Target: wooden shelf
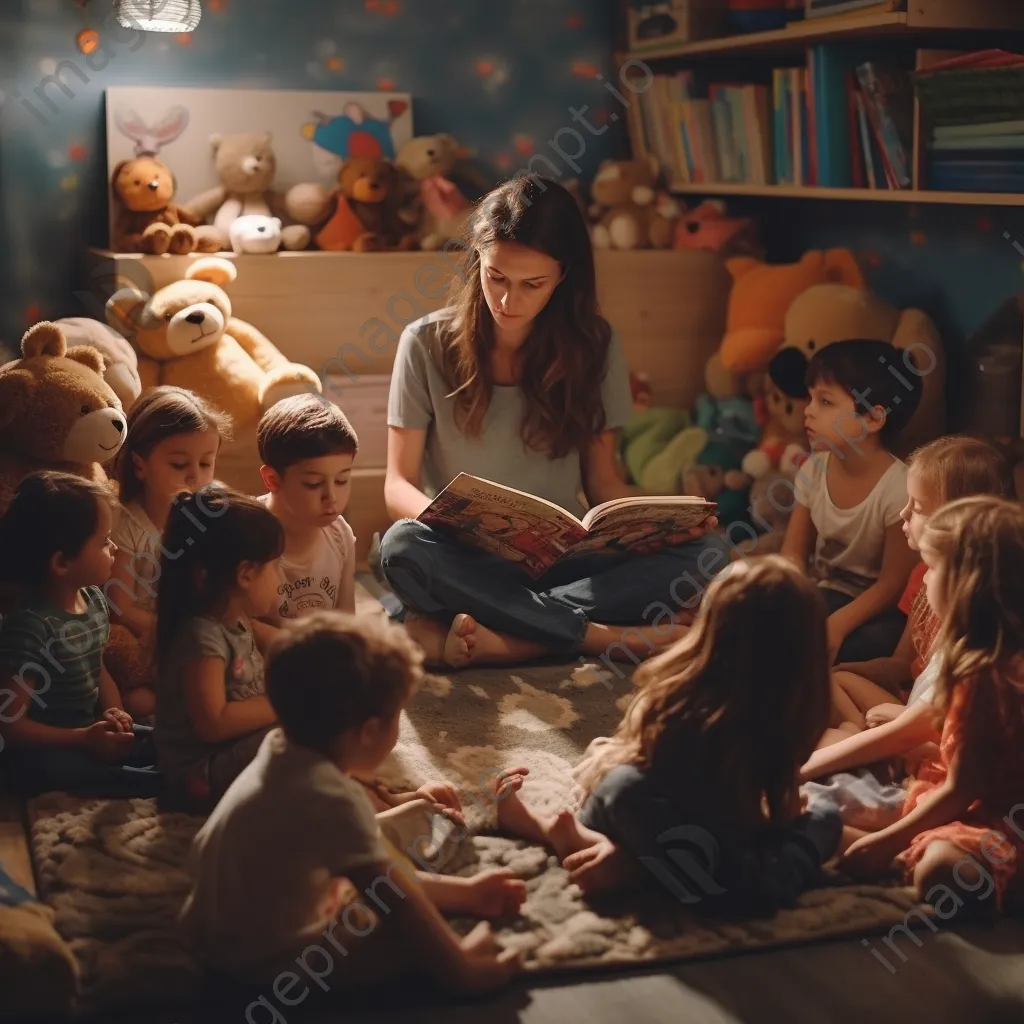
pixel 864 195
pixel 799 33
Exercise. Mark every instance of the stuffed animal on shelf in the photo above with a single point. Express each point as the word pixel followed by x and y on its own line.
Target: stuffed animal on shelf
pixel 429 200
pixel 56 411
pixel 828 313
pixel 627 211
pixel 120 362
pixel 246 166
pixel 186 335
pixel 761 296
pixel 365 216
pixel 150 221
pixel 256 234
pixel 709 227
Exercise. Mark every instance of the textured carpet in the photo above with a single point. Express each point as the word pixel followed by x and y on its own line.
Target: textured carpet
pixel 112 870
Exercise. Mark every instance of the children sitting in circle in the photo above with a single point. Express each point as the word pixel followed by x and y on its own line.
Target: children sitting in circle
pixel 275 704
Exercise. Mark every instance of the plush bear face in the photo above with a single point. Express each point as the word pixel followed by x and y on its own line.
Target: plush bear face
pixel 246 163
pixel 429 156
pixel 256 233
pixel 624 181
pixel 55 406
pixel 144 185
pixel 183 318
pixel 366 179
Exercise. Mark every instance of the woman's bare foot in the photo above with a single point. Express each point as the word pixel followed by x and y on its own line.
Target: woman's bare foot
pixel 600 867
pixel 444 648
pixel 630 642
pixel 470 643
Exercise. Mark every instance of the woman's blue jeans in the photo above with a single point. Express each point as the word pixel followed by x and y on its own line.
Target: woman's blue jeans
pixel 435 575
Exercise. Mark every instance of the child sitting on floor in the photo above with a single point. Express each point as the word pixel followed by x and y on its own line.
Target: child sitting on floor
pixel 172 445
pixel 872 693
pixel 219 573
pixel 702 771
pixel 62 719
pixel 959 812
pixel 275 865
pixel 849 498
pixel 307 447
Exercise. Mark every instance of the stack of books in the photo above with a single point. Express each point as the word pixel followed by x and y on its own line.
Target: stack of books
pixel 973 106
pixel 844 120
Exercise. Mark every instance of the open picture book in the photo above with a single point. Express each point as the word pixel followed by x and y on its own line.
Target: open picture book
pixel 538 533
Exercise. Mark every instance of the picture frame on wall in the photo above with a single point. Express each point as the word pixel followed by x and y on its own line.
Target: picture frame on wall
pixel 312 131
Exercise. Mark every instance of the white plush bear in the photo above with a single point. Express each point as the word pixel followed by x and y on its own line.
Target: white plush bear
pixel 256 233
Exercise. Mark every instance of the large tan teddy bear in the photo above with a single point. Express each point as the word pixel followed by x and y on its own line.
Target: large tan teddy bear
pixel 56 411
pixel 827 313
pixel 186 336
pixel 626 211
pixel 246 166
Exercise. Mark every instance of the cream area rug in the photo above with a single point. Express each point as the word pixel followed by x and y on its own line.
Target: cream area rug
pixel 114 870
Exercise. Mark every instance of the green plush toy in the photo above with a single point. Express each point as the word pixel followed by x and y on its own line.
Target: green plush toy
pixel 647 434
pixel 664 474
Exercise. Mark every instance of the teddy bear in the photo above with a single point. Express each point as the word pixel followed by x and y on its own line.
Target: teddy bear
pixel 246 166
pixel 717 475
pixel 827 313
pixel 186 335
pixel 709 228
pixel 150 221
pixel 626 211
pixel 120 363
pixel 255 234
pixel 761 295
pixel 56 411
pixel 783 440
pixel 365 216
pixel 428 199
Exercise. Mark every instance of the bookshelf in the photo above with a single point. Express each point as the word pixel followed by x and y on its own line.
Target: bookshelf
pixel 741 64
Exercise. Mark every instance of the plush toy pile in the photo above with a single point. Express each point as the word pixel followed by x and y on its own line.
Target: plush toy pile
pixel 745 435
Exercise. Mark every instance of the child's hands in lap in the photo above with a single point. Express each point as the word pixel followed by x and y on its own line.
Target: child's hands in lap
pixel 495 893
pixel 118 718
pixel 105 741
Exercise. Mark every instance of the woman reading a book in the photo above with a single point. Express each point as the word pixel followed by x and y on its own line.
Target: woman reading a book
pixel 521 381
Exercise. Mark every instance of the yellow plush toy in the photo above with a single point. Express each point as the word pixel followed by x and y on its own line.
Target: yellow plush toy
pixel 186 335
pixel 829 313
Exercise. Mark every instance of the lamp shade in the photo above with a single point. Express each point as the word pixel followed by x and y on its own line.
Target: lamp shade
pixel 159 15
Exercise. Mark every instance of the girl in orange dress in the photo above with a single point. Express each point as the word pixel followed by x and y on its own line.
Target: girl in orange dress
pixel 962 828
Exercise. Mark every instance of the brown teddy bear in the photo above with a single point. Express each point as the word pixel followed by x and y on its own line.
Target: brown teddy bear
pixel 150 221
pixel 367 190
pixel 186 336
pixel 428 198
pixel 56 411
pixel 626 210
pixel 246 165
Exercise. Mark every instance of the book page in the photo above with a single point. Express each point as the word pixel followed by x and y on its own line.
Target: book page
pixel 516 526
pixel 642 528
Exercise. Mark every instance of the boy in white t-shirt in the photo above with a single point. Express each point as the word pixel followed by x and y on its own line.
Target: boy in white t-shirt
pixel 846 530
pixel 293 876
pixel 307 447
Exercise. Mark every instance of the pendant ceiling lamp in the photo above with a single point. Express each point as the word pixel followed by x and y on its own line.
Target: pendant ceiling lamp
pixel 159 15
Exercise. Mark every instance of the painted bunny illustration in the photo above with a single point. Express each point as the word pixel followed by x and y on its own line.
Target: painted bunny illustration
pixel 150 140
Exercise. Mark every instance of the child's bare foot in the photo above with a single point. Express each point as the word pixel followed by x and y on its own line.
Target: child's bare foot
pixel 600 867
pixel 567 835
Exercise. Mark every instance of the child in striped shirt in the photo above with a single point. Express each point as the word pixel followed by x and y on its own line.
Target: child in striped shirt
pixel 62 724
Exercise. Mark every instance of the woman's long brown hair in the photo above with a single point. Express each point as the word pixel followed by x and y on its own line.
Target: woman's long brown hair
pixel 566 355
pixel 745 694
pixel 979 545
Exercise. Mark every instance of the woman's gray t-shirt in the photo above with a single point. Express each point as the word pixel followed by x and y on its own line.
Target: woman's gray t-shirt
pixel 419 400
